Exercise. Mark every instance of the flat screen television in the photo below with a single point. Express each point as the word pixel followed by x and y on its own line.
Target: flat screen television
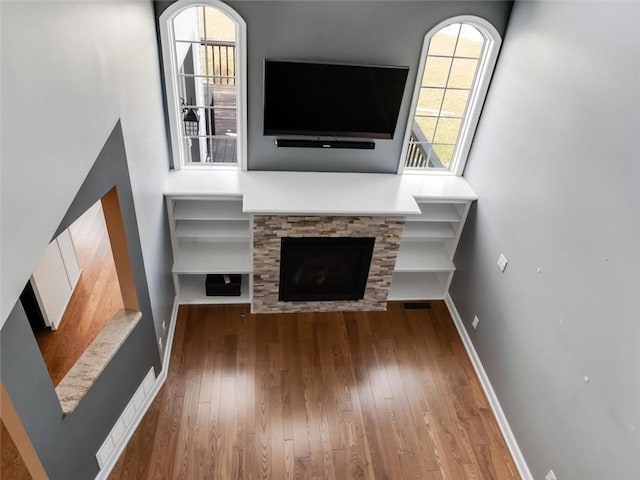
pixel 332 100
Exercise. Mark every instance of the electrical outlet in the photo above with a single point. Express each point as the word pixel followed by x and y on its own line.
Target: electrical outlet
pixel 475 322
pixel 550 476
pixel 502 262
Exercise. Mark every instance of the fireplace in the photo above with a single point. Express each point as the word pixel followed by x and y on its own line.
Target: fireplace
pixel 324 268
pixel 383 232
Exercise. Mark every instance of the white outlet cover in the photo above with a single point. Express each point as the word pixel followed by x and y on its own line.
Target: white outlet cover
pixel 550 476
pixel 502 262
pixel 475 322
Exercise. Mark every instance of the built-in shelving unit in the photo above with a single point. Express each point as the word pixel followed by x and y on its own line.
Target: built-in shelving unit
pixel 209 234
pixel 210 217
pixel 424 267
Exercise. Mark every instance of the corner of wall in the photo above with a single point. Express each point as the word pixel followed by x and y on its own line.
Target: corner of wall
pixel 492 397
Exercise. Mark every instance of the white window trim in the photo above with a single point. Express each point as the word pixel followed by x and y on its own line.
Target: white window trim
pixel 487 63
pixel 170 77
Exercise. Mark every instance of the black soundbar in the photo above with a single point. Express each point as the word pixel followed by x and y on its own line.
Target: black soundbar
pixel 359 144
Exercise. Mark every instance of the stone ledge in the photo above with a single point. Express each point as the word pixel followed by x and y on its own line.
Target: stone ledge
pixel 77 382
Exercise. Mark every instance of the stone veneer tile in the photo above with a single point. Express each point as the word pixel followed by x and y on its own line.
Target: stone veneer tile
pixel 269 229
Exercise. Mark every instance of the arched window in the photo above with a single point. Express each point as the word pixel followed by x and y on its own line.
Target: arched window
pixel 204 55
pixel 458 57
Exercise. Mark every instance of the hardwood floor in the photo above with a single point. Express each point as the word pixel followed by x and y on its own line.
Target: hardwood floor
pixel 94 301
pixel 384 395
pixel 12 467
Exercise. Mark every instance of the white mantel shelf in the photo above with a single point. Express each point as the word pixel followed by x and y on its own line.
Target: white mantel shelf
pixel 311 193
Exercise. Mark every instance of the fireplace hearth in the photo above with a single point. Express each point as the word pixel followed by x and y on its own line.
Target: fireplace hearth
pixel 324 268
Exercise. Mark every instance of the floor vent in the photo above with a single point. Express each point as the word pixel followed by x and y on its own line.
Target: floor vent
pixel 126 420
pixel 417 306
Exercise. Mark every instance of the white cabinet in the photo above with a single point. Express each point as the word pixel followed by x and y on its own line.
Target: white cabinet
pixel 209 234
pixel 424 267
pixel 55 277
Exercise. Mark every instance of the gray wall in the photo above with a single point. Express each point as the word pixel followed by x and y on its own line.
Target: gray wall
pixel 70 72
pixel 555 166
pixel 67 445
pixel 381 32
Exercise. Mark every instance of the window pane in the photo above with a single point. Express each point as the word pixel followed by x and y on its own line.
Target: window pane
pixel 462 73
pixel 217 55
pixel 206 82
pixel 195 150
pixel 222 149
pixel 218 61
pixel 185 25
pixel 426 125
pixel 470 42
pixel 450 70
pixel 454 103
pixel 444 152
pixel 429 101
pixel 204 61
pixel 193 121
pixel 223 100
pixel 219 27
pixel 447 130
pixel 436 72
pixel 202 28
pixel 444 42
pixel 417 155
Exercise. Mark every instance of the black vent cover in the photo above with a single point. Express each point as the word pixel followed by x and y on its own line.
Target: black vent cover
pixel 417 306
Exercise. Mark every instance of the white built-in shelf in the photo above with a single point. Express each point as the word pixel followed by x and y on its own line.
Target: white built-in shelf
pixel 427 230
pixel 209 210
pixel 212 257
pixel 423 257
pixel 424 267
pixel 210 216
pixel 192 290
pixel 223 230
pixel 209 234
pixel 437 212
pixel 417 286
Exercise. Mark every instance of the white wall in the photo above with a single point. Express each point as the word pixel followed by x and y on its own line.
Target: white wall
pixel 70 70
pixel 555 166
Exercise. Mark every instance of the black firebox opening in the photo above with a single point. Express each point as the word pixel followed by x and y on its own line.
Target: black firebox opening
pixel 324 268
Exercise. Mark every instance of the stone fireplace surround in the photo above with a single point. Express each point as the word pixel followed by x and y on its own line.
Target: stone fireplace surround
pixel 268 231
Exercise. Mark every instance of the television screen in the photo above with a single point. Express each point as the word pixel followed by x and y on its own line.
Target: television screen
pixel 337 100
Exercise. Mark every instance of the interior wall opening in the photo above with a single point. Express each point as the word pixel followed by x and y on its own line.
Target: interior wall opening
pixel 79 286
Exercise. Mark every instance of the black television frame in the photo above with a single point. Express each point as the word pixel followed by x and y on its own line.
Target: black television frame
pixel 333 133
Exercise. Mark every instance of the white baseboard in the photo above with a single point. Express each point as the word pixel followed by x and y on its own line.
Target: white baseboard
pixel 103 474
pixel 501 418
pixel 172 329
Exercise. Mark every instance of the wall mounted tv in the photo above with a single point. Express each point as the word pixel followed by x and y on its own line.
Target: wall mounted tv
pixel 332 100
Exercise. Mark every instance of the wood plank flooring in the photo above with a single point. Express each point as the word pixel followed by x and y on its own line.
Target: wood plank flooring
pixel 384 395
pixel 12 467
